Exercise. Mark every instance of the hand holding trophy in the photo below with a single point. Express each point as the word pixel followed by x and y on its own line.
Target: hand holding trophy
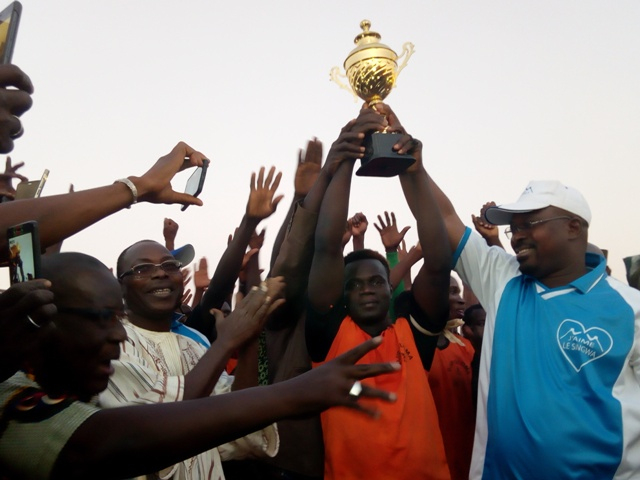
pixel 372 70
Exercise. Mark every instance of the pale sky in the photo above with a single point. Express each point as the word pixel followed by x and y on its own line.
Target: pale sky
pixel 500 92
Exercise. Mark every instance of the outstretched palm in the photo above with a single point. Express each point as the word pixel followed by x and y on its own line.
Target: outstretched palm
pixel 389 233
pixel 262 202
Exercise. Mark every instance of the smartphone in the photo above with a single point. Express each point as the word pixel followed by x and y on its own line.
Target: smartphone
pixel 196 181
pixel 24 252
pixel 31 189
pixel 9 21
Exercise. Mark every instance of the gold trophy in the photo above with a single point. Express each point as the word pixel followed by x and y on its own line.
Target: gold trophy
pixel 372 69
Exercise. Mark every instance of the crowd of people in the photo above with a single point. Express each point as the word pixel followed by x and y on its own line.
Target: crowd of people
pixel 321 365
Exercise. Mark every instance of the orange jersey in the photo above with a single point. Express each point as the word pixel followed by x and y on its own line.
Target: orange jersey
pixel 405 441
pixel 450 379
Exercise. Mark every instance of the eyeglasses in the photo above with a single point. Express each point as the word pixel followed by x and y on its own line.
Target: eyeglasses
pixel 147 269
pixel 98 314
pixel 528 226
pixel 358 285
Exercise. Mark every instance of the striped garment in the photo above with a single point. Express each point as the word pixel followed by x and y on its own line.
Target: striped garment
pixel 151 369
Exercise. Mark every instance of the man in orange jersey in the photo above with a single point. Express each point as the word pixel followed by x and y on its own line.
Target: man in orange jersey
pixel 349 301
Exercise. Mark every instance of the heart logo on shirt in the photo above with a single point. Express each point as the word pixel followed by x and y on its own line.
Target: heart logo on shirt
pixel 580 345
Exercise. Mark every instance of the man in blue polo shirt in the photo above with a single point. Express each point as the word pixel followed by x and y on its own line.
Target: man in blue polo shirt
pixel 559 387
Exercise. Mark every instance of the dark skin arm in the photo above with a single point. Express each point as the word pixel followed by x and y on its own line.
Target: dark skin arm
pixel 431 284
pixel 358 224
pixel 402 270
pixel 169 232
pixel 60 216
pixel 391 239
pixel 295 260
pixel 262 203
pixel 129 441
pixel 489 232
pixel 246 372
pixel 200 280
pixel 327 268
pixel 307 172
pixel 57 247
pixel 240 327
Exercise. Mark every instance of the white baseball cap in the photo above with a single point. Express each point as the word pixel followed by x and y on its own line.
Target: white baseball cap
pixel 541 194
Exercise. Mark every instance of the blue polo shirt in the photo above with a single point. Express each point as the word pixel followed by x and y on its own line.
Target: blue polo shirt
pixel 559 386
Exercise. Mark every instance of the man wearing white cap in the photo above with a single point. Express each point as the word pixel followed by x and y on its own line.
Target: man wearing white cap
pixel 559 386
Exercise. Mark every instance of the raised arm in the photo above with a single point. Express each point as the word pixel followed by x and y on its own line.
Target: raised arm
pixel 489 231
pixel 401 272
pixel 169 232
pixel 262 203
pixel 60 216
pixel 307 172
pixel 294 258
pixel 358 224
pixel 325 279
pixel 431 285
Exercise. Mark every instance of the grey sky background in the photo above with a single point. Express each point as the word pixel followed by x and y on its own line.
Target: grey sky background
pixel 500 92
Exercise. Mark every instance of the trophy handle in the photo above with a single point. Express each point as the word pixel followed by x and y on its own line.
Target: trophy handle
pixel 335 75
pixel 407 51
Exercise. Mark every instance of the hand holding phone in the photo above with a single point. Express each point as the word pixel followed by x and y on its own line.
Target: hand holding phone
pixel 24 252
pixel 31 189
pixel 196 181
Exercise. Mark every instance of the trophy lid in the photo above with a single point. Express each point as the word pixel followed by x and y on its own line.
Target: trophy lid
pixel 368 46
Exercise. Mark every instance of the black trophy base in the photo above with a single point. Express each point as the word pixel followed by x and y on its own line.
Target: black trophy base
pixel 380 160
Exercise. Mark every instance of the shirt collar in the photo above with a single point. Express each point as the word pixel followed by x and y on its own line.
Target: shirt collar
pixel 596 271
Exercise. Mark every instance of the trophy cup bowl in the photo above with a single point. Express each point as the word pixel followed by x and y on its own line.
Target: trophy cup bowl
pixel 372 69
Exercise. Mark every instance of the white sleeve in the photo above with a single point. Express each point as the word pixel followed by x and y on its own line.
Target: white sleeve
pixel 260 444
pixel 485 269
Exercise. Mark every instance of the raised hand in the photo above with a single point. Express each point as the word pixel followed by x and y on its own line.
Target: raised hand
pixel 348 145
pixel 487 230
pixel 359 224
pixel 407 144
pixel 186 297
pixel 415 252
pixel 256 240
pixel 201 274
pixel 389 233
pixel 309 166
pixel 186 292
pixel 262 200
pixel 169 231
pixel 6 178
pixel 155 185
pixel 248 318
